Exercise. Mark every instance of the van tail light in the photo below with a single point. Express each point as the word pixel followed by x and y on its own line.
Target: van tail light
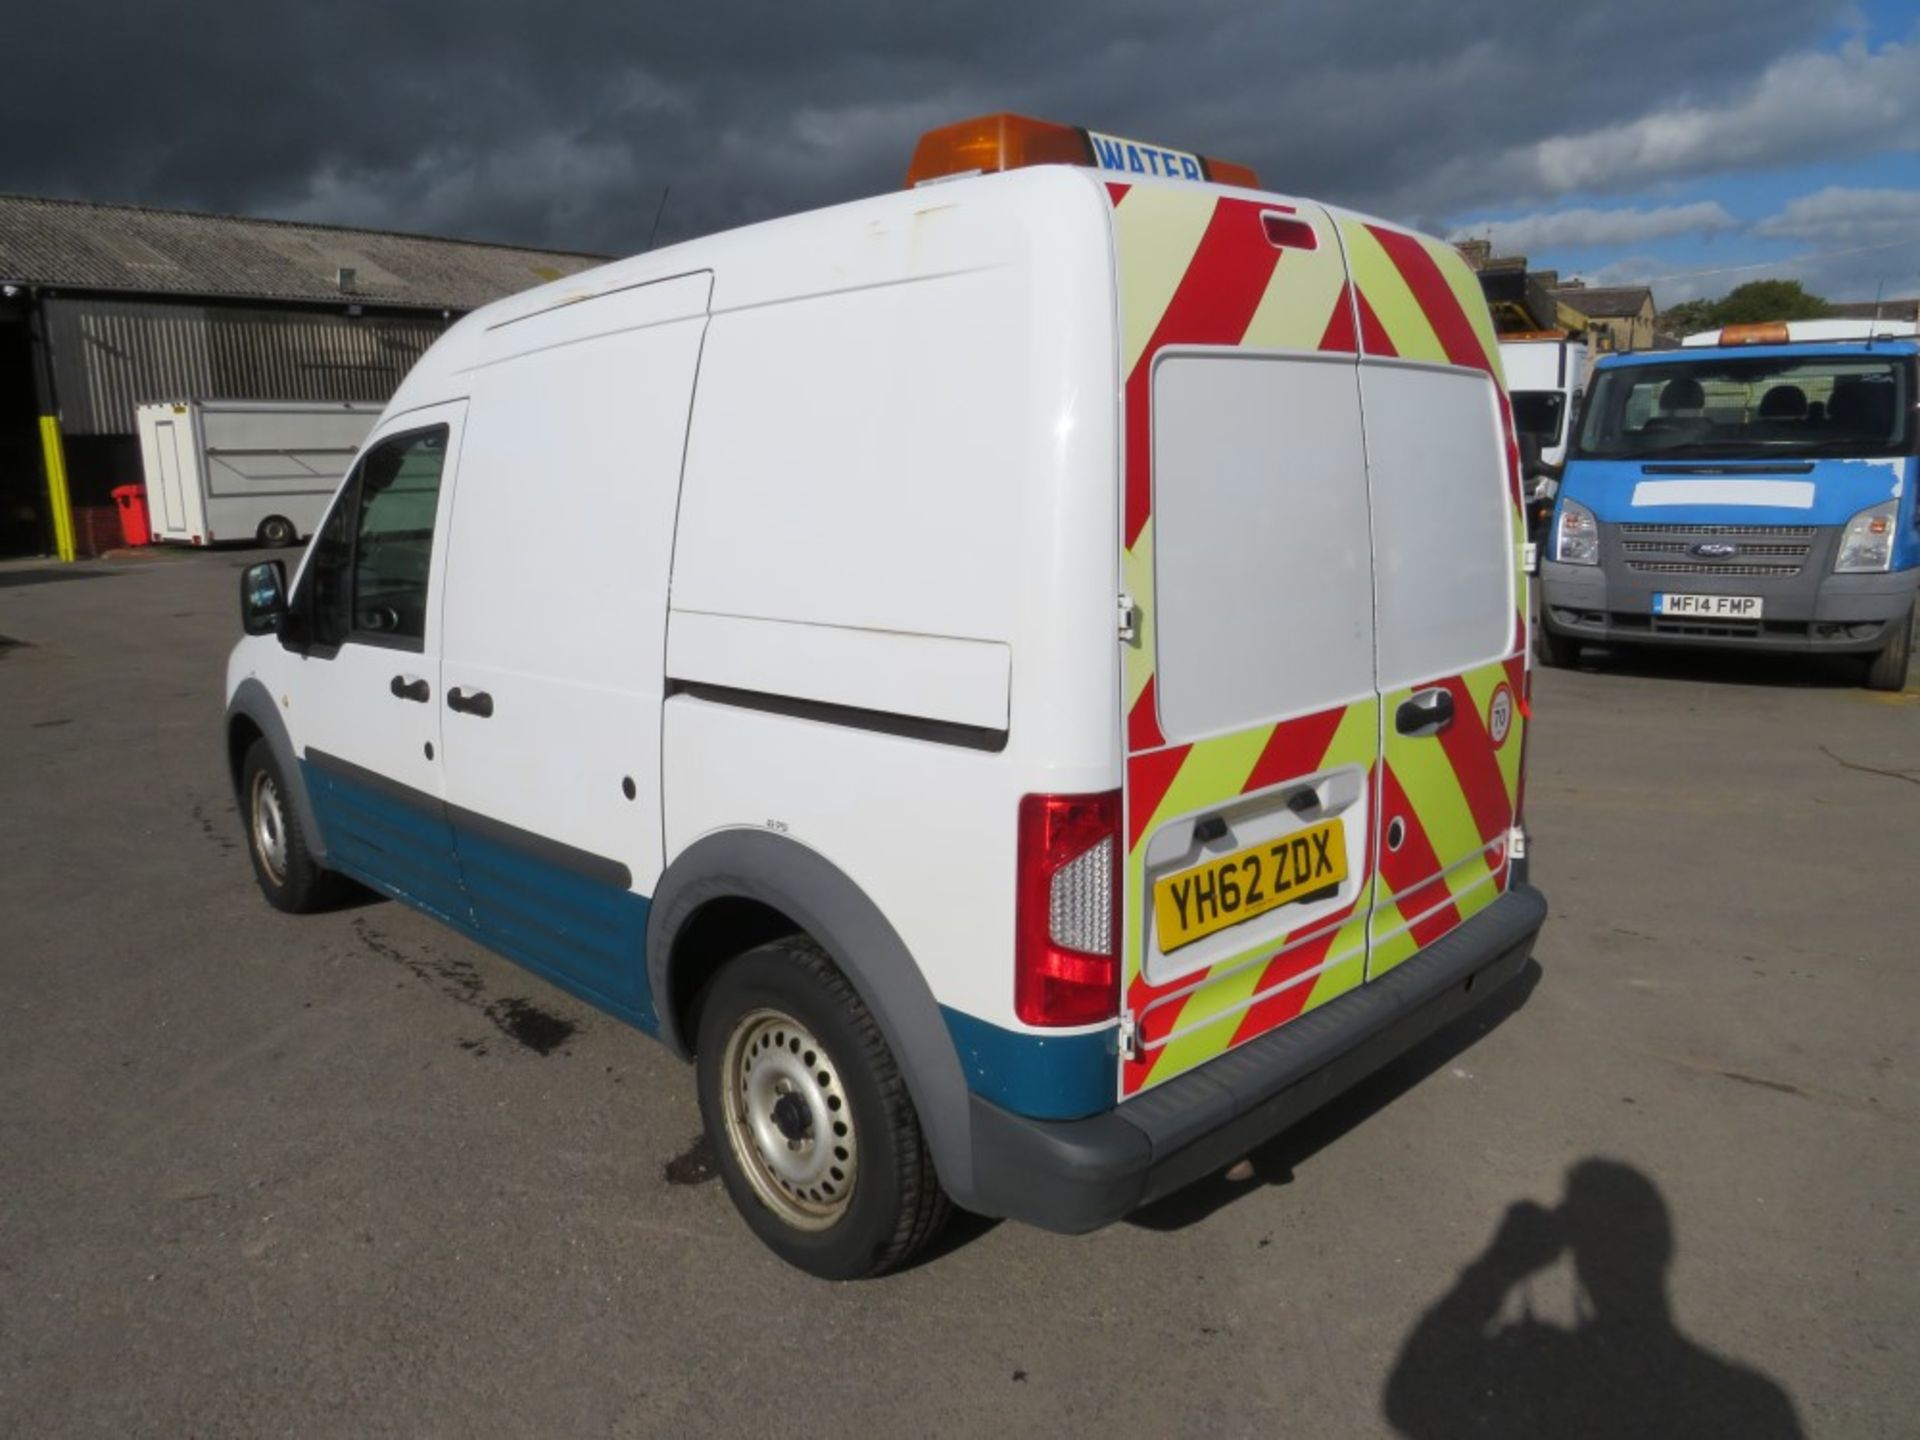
pixel 1067 910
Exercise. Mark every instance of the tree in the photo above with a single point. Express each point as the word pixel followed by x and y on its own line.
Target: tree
pixel 1755 301
pixel 1769 300
pixel 1687 317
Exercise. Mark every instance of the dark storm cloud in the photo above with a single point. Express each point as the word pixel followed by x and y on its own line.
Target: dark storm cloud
pixel 558 123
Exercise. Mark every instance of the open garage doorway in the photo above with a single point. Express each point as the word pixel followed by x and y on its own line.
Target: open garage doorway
pixel 24 527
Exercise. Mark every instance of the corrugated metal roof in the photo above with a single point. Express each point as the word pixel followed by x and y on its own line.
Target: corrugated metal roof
pixel 80 245
pixel 1603 302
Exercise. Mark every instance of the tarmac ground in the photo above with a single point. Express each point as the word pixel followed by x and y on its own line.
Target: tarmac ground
pixel 349 1174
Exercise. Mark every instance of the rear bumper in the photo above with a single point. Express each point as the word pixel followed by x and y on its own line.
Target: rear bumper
pixel 1077 1175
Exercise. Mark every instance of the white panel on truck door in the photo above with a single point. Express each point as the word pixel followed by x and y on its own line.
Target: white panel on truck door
pixel 1441 519
pixel 1261 551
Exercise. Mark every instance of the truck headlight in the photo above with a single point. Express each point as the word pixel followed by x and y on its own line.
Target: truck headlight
pixel 1866 546
pixel 1576 536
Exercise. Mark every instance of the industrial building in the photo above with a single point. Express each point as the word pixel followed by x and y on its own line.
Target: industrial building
pixel 103 307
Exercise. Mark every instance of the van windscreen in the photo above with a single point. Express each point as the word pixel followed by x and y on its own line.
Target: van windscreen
pixel 1760 406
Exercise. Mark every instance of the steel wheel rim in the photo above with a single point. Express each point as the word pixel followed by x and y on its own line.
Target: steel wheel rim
pixel 268 827
pixel 279 532
pixel 789 1119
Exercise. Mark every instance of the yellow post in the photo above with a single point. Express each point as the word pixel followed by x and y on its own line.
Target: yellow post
pixel 55 457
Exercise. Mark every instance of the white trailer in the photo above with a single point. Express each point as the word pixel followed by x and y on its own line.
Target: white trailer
pixel 253 470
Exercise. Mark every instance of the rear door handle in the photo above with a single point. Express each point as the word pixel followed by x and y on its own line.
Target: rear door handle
pixel 405 689
pixel 1426 712
pixel 478 702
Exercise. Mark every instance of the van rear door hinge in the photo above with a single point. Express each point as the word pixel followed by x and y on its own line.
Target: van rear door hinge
pixel 1129 618
pixel 1128 1037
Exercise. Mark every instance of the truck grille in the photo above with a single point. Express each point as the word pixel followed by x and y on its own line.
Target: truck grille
pixel 1780 532
pixel 1705 567
pixel 1764 549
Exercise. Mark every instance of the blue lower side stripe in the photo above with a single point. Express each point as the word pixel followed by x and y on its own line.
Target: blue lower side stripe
pixel 584 935
pixel 1046 1077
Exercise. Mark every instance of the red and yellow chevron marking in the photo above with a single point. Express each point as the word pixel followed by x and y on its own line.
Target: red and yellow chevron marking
pixel 1195 1017
pixel 1458 795
pixel 1197 269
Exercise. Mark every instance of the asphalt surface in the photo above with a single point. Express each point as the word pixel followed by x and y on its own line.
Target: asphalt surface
pixel 350 1175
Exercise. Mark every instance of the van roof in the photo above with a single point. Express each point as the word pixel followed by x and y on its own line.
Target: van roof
pixel 784 258
pixel 1702 354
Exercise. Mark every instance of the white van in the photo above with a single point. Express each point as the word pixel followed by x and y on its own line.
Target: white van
pixel 260 471
pixel 957 666
pixel 1546 379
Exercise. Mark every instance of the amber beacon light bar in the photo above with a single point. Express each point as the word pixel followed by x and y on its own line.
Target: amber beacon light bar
pixel 990 143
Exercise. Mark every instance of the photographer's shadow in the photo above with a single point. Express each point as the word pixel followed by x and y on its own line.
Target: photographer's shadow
pixel 1621 1368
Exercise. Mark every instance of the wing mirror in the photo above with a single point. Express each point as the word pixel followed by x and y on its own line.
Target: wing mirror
pixel 263 598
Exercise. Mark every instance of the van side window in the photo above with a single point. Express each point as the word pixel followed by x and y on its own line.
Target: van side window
pixel 330 571
pixel 371 557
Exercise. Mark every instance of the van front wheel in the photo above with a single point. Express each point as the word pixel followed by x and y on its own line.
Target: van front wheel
pixel 1887 670
pixel 289 876
pixel 809 1118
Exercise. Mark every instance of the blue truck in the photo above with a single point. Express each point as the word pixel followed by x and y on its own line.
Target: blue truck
pixel 1752 490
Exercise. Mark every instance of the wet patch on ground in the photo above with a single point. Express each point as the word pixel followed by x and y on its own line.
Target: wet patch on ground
pixel 529 1025
pixel 216 832
pixel 541 1031
pixel 14 579
pixel 695 1165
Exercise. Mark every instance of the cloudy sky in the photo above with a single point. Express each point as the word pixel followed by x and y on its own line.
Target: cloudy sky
pixel 1693 143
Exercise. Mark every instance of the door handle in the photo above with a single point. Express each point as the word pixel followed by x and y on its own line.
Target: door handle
pixel 478 702
pixel 1427 712
pixel 405 689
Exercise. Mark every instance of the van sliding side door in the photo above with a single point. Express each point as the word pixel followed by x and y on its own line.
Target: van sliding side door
pixel 556 610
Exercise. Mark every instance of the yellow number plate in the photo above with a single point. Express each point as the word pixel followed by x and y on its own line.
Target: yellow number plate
pixel 1196 903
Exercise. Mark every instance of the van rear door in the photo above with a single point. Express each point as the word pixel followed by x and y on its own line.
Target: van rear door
pixel 1450 612
pixel 1252 723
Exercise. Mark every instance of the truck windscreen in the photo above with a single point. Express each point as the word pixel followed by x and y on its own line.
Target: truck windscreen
pixel 1757 407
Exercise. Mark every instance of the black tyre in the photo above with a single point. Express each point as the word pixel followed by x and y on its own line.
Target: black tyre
pixel 815 1135
pixel 1888 669
pixel 277 531
pixel 1556 652
pixel 288 875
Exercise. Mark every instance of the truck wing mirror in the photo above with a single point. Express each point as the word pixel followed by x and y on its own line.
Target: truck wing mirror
pixel 263 598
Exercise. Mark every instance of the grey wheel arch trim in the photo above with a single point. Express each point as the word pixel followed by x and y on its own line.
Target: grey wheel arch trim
pixel 253 700
pixel 801 883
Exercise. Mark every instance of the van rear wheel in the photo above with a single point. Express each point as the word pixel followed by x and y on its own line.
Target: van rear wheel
pixel 277 532
pixel 1888 669
pixel 806 1111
